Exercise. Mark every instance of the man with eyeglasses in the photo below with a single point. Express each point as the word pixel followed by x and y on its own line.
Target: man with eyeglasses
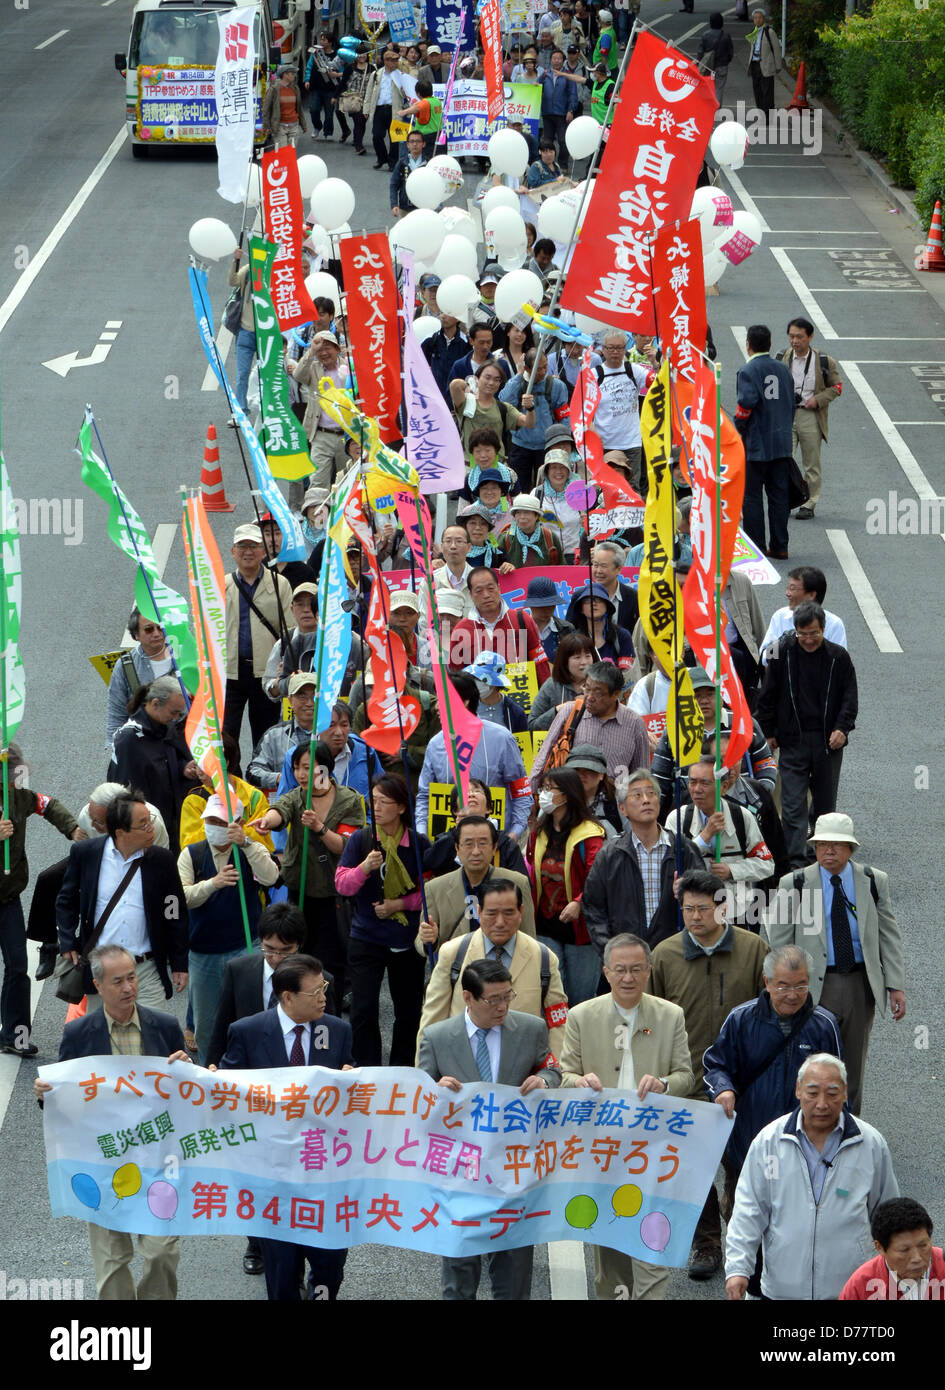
pixel 295 1032
pixel 751 1068
pixel 634 1042
pixel 489 1042
pixel 533 969
pixel 707 969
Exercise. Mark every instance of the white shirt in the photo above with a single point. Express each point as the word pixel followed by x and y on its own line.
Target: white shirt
pixel 627 1080
pixel 783 621
pixel 127 925
pixel 618 416
pixel 641 703
pixel 385 95
pixel 493 1042
pixel 910 1290
pixel 267 982
pixel 288 1033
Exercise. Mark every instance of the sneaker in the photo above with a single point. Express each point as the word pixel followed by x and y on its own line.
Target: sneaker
pixel 805 513
pixel 704 1261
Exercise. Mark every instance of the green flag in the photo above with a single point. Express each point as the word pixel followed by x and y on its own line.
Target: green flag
pixel 127 531
pixel 13 693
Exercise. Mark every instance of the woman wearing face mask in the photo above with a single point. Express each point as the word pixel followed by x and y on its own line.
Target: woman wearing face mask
pixel 562 848
pixel 488 671
pixel 336 813
pixel 566 682
pixel 210 871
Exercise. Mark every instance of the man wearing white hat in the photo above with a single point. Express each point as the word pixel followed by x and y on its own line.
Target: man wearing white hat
pixel 526 542
pixel 840 913
pixel 327 440
pixel 257 608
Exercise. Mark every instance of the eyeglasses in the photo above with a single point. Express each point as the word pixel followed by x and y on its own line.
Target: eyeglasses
pixel 318 993
pixel 497 1001
pixel 790 989
pixel 278 951
pixel 648 795
pixel 698 910
pixel 621 971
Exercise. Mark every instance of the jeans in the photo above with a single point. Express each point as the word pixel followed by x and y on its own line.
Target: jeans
pixel 580 969
pixel 205 981
pixel 319 105
pixel 622 20
pixel 767 476
pixel 367 962
pixel 245 352
pixel 15 994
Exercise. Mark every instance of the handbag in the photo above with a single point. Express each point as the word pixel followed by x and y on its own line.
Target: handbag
pixel 351 103
pixel 233 311
pixel 71 974
pixel 798 489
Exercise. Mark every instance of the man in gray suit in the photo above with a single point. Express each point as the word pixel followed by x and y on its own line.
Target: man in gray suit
pixel 488 1042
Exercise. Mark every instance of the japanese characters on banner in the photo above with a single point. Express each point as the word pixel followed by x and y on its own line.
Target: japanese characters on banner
pixel 233 94
pixel 432 443
pixel 332 596
pixel 466 113
pixel 440 816
pixel 374 325
pixel 490 32
pixel 566 578
pixel 286 442
pixel 450 24
pixel 401 20
pixel 178 103
pixel 647 178
pixel 284 220
pixel 378 1156
pixel 702 620
pixel 679 294
pixel 523 679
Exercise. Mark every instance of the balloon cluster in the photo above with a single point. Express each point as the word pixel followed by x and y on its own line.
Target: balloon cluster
pixel 728 237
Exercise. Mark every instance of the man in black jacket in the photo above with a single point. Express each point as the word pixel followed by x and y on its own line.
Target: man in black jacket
pixel 150 753
pixel 807 708
pixel 630 885
pixel 125 872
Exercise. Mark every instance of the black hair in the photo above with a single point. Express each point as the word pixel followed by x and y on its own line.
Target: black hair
pixel 290 974
pixel 473 782
pixel 702 882
pixel 284 920
pixel 118 813
pixel 498 885
pixel 394 788
pixel 544 244
pixel 900 1214
pixel 465 688
pixel 475 820
pixel 813 579
pixel 759 338
pixel 806 613
pixel 804 324
pixel 479 973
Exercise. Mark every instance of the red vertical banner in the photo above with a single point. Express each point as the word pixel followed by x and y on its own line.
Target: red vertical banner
pixel 647 178
pixel 374 326
pixel 679 294
pixel 284 221
pixel 490 31
pixel 621 505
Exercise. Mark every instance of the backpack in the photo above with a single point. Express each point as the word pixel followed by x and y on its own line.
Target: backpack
pixel 689 813
pixel 558 755
pixel 456 967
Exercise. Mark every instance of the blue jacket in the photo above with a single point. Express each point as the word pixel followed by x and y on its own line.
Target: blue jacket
pixel 550 396
pixel 443 353
pixel 752 1057
pixel 497 761
pixel 355 775
pixel 764 409
pixel 560 96
pixel 257 1041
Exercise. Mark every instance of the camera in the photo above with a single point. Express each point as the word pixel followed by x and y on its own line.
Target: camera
pixel 797 398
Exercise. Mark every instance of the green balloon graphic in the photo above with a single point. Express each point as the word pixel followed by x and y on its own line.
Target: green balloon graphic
pixel 581 1212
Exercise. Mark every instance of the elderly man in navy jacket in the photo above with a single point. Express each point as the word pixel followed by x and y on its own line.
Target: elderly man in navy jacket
pixel 764 417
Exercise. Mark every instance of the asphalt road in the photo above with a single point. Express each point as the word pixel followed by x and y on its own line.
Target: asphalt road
pixel 122 257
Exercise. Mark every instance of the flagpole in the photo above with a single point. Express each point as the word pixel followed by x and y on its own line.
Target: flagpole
pixel 587 512
pixel 362 624
pixel 718 600
pixel 212 711
pixel 323 587
pixel 134 544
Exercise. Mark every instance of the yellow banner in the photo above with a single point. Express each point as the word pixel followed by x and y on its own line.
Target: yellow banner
pixel 524 683
pixel 106 663
pixel 399 130
pixel 439 815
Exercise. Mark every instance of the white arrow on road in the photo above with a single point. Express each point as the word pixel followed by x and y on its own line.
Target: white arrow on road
pixel 63 365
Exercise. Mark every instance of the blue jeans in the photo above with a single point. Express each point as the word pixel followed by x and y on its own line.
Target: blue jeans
pixel 579 966
pixel 622 19
pixel 205 982
pixel 245 352
pixel 15 994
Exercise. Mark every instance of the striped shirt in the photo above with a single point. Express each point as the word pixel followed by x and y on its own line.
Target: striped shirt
pixel 621 738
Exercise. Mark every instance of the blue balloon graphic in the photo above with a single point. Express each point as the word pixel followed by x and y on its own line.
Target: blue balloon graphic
pixel 86 1189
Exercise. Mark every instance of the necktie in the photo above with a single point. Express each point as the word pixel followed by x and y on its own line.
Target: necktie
pixel 482 1055
pixel 496 953
pixel 843 957
pixel 297 1056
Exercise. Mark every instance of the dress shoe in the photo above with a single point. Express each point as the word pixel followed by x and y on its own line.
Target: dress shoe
pixel 805 513
pixel 361 151
pixel 380 166
pixel 30 1050
pixel 252 1264
pixel 344 137
pixel 704 1261
pixel 776 554
pixel 47 962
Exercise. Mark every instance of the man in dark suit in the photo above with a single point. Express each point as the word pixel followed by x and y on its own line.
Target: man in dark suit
pixel 296 1032
pixel 489 1043
pixel 148 918
pixel 124 1027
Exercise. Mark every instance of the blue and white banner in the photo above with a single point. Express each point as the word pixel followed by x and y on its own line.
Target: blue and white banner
pixel 452 21
pixel 467 114
pixel 402 21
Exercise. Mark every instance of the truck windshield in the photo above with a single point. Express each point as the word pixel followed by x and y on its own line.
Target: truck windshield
pixel 175 37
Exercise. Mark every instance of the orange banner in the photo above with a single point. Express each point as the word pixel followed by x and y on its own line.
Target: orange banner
pixel 203 728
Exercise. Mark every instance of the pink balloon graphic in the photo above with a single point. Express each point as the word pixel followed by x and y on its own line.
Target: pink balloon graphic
pixel 162 1199
pixel 579 496
pixel 655 1231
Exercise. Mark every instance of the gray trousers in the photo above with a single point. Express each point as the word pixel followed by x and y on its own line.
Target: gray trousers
pixel 510 1272
pixel 620 1277
pixel 806 766
pixel 852 1000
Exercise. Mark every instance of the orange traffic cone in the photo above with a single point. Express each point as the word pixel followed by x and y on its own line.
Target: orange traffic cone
pixel 932 258
pixel 211 479
pixel 799 100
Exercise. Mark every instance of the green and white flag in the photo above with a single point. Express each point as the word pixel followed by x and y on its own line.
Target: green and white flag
pixel 13 694
pixel 128 532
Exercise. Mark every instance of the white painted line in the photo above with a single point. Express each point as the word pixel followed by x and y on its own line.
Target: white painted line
pixel 867 289
pixel 863 592
pixel 783 164
pixel 806 197
pixel 827 249
pixel 225 341
pixel 567 1270
pixel 47 42
pixel 903 454
pixel 748 202
pixel 913 422
pixel 19 291
pixel 818 317
pixel 833 231
pixel 113 323
pixel 740 333
pixel 161 543
pixel 898 361
pixel 893 338
pixel 106 3
pixel 110 338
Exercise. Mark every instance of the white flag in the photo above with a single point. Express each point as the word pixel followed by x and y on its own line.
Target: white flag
pixel 235 100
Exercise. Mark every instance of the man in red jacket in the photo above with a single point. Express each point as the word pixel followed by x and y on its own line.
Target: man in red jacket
pixel 908 1266
pixel 494 627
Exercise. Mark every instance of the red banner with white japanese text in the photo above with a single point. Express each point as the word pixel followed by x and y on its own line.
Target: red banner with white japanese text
pixel 284 220
pixel 679 294
pixel 622 506
pixel 490 21
pixel 374 327
pixel 699 590
pixel 393 715
pixel 647 178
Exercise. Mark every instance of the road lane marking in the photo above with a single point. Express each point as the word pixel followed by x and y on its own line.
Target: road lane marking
pixel 20 289
pixel 47 42
pixel 794 278
pixel 807 197
pixel 904 456
pixel 748 202
pixel 567 1270
pixel 225 341
pixel 863 592
pixel 867 289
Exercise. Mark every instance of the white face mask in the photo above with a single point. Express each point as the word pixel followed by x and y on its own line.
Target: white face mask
pixel 546 802
pixel 218 835
pixel 484 688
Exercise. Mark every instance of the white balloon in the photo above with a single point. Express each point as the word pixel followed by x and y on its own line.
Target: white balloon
pixel 211 239
pixel 500 197
pixel 504 227
pixel 511 260
pixel 556 216
pixel 582 136
pixel 457 256
pixel 712 207
pixel 421 232
pixel 508 152
pixel 425 188
pixel 254 186
pixel 425 327
pixel 588 325
pixel 714 266
pixel 728 144
pixel 743 237
pixel 456 295
pixel 515 289
pixel 312 170
pixel 333 203
pixel 321 285
pixel 458 220
pixel 448 169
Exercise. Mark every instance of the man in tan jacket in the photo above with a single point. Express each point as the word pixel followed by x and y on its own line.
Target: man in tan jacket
pixel 633 1042
pixel 452 899
pixel 258 613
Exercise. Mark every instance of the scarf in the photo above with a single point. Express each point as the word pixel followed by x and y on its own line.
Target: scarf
pixel 487 552
pixel 397 881
pixel 312 536
pixel 532 542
